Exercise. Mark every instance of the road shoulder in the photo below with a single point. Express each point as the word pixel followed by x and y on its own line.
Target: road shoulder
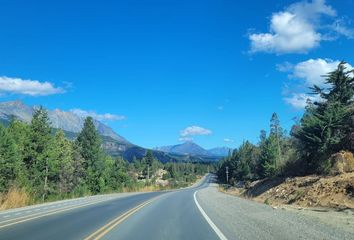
pixel 247 219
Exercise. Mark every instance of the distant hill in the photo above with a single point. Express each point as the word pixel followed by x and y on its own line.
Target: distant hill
pixel 71 124
pixel 185 148
pixel 220 151
pixel 193 149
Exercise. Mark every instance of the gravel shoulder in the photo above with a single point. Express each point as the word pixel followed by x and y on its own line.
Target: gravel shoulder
pixel 240 218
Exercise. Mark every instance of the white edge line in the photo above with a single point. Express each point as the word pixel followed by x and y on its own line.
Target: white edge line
pixel 212 225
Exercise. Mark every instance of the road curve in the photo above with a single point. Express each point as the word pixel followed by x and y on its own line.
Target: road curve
pixel 154 215
pixel 198 212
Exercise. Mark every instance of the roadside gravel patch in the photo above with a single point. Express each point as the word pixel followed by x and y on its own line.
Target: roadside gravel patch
pixel 239 218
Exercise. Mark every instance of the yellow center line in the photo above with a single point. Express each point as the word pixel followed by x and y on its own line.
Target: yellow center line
pixel 39 215
pixel 101 232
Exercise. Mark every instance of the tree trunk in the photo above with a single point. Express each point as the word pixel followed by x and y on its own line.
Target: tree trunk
pixel 45 188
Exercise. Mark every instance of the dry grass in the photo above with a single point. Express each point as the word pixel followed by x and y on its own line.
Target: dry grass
pixel 14 198
pixel 149 188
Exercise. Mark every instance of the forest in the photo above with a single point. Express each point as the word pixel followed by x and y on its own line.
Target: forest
pixel 38 163
pixel 326 128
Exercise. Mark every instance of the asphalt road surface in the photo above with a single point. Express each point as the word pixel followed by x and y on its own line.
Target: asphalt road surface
pixel 199 212
pixel 174 215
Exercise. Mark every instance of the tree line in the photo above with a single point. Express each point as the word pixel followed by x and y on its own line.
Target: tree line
pixel 326 127
pixel 42 161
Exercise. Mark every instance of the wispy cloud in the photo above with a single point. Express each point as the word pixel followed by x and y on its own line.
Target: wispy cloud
pixel 194 131
pixel 306 74
pixel 100 117
pixel 228 140
pixel 28 87
pixel 299 28
pixel 185 139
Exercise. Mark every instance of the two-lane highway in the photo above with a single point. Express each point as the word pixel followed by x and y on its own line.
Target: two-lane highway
pixel 155 215
pixel 175 215
pixel 199 212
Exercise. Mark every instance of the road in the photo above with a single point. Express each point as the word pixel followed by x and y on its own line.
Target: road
pixel 170 215
pixel 199 212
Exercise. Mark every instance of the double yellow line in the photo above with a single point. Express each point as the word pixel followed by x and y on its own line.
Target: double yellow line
pixel 112 224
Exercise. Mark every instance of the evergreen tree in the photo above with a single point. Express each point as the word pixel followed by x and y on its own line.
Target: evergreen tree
pixel 244 161
pixel 9 160
pixel 118 175
pixel 19 131
pixel 63 163
pixel 148 160
pixel 37 157
pixel 268 157
pixel 277 132
pixel 90 144
pixel 327 124
pixel 79 173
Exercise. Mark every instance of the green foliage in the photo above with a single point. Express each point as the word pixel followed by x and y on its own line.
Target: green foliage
pixel 327 124
pixel 49 166
pixel 62 163
pixel 9 160
pixel 94 163
pixel 326 127
pixel 37 158
pixel 268 157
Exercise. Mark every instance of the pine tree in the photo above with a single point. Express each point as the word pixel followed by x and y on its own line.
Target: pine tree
pixel 37 157
pixel 118 175
pixel 244 161
pixel 79 173
pixel 19 131
pixel 9 160
pixel 327 124
pixel 268 157
pixel 63 163
pixel 90 144
pixel 277 132
pixel 148 160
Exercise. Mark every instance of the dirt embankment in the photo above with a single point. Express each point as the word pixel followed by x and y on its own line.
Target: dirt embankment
pixel 310 191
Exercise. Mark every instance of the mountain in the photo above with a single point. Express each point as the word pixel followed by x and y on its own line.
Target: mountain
pixel 67 121
pixel 113 143
pixel 220 151
pixel 193 149
pixel 190 148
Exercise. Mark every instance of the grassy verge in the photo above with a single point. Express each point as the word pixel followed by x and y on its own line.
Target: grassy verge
pixel 19 197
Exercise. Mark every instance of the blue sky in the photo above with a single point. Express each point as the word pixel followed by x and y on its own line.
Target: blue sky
pixel 163 71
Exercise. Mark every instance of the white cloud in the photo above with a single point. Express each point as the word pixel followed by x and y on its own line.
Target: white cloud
pixel 285 67
pixel 297 29
pixel 299 100
pixel 312 71
pixel 100 117
pixel 228 140
pixel 194 131
pixel 340 27
pixel 28 87
pixel 306 74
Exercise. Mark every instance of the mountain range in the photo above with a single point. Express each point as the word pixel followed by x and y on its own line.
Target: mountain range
pixel 113 143
pixel 191 148
pixel 66 121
